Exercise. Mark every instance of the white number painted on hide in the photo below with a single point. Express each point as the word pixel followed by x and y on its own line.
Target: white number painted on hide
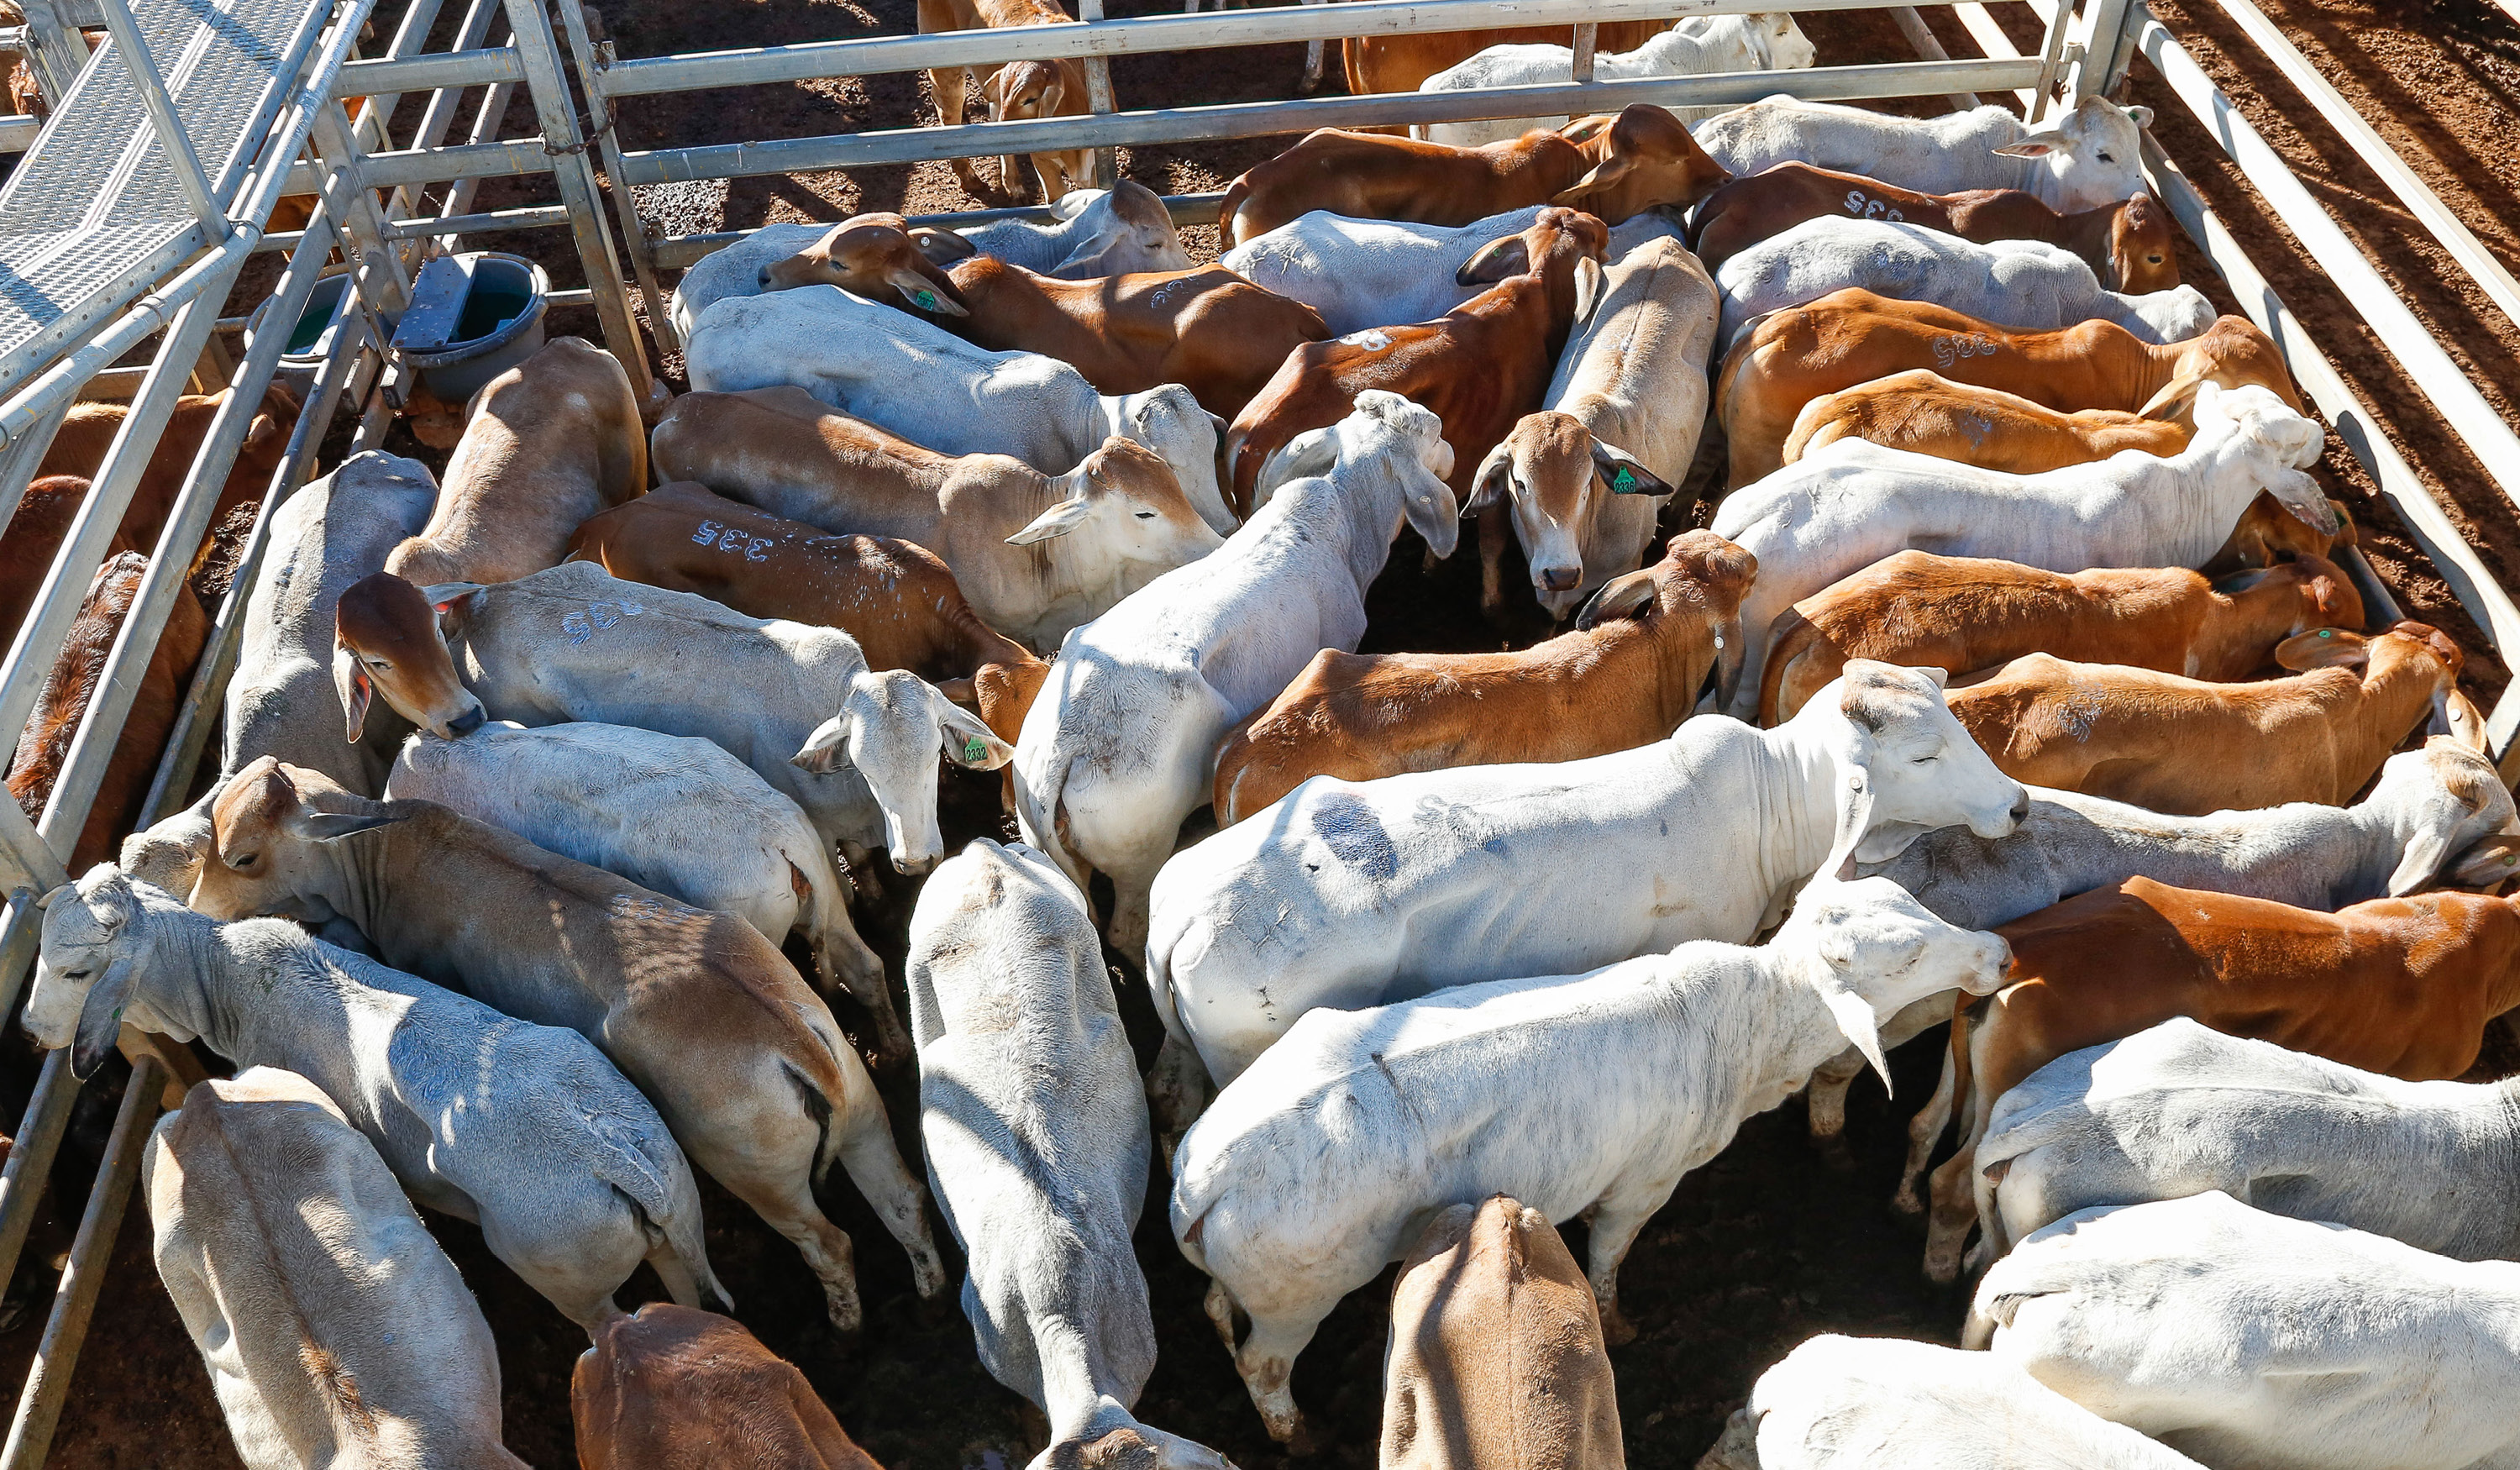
pixel 730 540
pixel 1864 207
pixel 581 626
pixel 1949 350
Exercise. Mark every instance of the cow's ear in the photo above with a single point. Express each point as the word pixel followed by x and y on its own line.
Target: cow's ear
pixel 332 826
pixel 350 680
pixel 1624 474
pixel 943 247
pixel 99 1020
pixel 969 744
pixel 453 602
pixel 1057 520
pixel 2323 648
pixel 1495 261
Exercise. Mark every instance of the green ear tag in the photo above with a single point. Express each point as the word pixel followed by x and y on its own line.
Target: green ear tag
pixel 974 748
pixel 926 300
pixel 1624 482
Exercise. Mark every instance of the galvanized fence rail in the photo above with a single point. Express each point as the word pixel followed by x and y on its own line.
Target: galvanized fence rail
pixel 385 202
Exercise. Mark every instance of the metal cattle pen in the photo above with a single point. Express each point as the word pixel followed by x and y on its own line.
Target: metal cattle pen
pixel 290 132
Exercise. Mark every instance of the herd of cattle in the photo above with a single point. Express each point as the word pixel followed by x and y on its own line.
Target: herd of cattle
pixel 2012 609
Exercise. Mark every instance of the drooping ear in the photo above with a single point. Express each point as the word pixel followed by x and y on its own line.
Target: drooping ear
pixel 2323 648
pixel 332 826
pixel 943 247
pixel 46 902
pixel 1591 285
pixel 1625 474
pixel 1494 483
pixel 1057 520
pixel 827 749
pixel 2037 145
pixel 1312 452
pixel 1495 261
pixel 923 293
pixel 350 681
pixel 2422 859
pixel 101 1018
pixel 1854 817
pixel 454 602
pixel 2176 402
pixel 1050 99
pixel 1622 596
pixel 2300 495
pixel 969 744
pixel 2140 116
pixel 2456 715
pixel 1854 1017
pixel 1603 174
pixel 1731 649
pixel 2487 863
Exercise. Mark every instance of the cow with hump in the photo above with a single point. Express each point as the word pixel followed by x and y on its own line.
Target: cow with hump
pixel 1579 1095
pixel 335 1330
pixel 1388 889
pixel 1037 1147
pixel 698 1010
pixel 1121 745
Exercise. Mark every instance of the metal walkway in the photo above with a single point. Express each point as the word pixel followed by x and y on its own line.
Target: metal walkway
pixel 97 212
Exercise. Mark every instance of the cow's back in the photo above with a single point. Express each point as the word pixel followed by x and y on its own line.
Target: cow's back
pixel 678 1389
pixel 326 537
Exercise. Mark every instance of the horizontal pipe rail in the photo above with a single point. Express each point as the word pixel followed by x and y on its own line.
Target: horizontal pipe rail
pixel 385 76
pixel 1263 118
pixel 877 55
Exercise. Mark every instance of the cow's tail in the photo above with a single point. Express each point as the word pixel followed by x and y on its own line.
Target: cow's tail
pixel 1234 194
pixel 659 1182
pixel 1041 815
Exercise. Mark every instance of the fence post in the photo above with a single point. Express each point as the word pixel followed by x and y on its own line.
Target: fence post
pixel 1099 98
pixel 591 57
pixel 535 47
pixel 2109 47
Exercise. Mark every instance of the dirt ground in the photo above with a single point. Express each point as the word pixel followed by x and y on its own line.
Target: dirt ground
pixel 1761 1249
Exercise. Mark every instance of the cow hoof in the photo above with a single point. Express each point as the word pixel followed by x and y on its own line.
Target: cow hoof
pixel 1300 1440
pixel 1616 1330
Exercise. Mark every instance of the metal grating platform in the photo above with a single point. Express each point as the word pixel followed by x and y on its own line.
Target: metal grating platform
pixel 94 216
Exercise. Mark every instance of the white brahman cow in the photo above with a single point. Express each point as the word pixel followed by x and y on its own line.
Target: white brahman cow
pixel 2023 284
pixel 2092 156
pixel 1851 504
pixel 1037 1145
pixel 2255 1342
pixel 1697 47
pixel 1121 745
pixel 1587 1095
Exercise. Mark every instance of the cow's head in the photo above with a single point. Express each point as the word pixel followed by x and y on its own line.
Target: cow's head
pixel 1907 765
pixel 888 729
pixel 97 945
pixel 2093 157
pixel 1641 158
pixel 1701 579
pixel 1384 435
pixel 390 637
pixel 1870 950
pixel 2142 257
pixel 2251 428
pixel 274 827
pixel 1122 230
pixel 871 257
pixel 1557 480
pixel 1123 509
pixel 2450 817
pixel 1776 43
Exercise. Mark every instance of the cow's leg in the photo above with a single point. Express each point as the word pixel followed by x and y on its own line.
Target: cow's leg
pixel 679 1284
pixel 874 1166
pixel 1178 1090
pixel 1494 527
pixel 1924 1131
pixel 1826 1098
pixel 1617 1219
pixel 1266 1364
pixel 1221 1308
pixel 1955 1210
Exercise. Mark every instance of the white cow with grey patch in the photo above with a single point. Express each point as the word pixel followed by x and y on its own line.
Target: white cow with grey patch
pixel 1365 273
pixel 1037 1147
pixel 335 1330
pixel 2181 1110
pixel 1352 894
pixel 1849 505
pixel 2254 1342
pixel 2093 157
pixel 1121 745
pixel 1885 1404
pixel 1090 232
pixel 1588 1094
pixel 935 389
pixel 595 792
pixel 2023 284
pixel 525 1130
pixel 855 750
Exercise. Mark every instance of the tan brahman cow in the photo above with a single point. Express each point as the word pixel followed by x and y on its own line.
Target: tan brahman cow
pixel 674 1388
pixel 700 1012
pixel 546 444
